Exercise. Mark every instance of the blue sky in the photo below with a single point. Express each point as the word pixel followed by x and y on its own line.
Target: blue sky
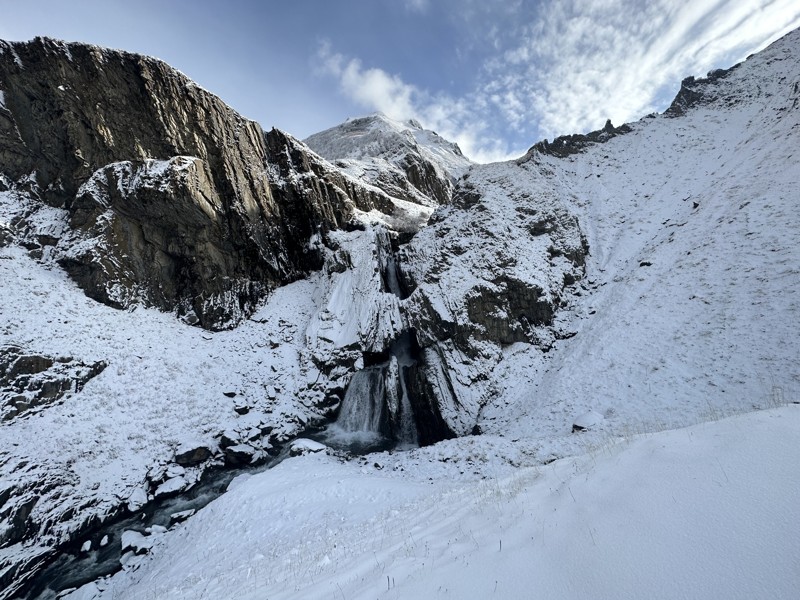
pixel 494 76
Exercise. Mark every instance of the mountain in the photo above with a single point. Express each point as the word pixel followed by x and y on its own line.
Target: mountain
pixel 403 159
pixel 184 295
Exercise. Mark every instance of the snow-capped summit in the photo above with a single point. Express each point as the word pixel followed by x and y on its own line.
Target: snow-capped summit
pixel 401 157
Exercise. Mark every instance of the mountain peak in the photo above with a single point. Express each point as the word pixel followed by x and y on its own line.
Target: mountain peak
pixel 421 164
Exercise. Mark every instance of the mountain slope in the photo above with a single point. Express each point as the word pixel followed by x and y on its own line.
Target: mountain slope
pixel 688 304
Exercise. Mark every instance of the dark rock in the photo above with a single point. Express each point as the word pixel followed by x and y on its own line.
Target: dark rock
pixel 30 380
pixel 565 145
pixel 189 206
pixel 193 455
pixel 694 92
pixel 240 454
pixel 15 520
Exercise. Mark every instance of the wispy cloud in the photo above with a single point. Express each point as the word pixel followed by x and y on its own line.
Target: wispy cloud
pixel 419 6
pixel 376 90
pixel 567 66
pixel 579 63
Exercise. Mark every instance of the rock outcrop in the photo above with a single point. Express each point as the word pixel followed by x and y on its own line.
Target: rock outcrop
pixel 565 145
pixel 491 270
pixel 171 197
pixel 29 380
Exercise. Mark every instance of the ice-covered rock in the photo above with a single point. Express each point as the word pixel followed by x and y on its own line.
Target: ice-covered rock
pixel 305 446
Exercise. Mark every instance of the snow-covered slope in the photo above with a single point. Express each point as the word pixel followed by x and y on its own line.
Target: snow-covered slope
pixel 402 158
pixel 679 514
pixel 689 303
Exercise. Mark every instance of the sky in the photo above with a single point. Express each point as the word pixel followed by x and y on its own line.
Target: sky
pixel 494 76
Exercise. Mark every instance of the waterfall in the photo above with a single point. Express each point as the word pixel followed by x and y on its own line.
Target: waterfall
pixel 376 412
pixel 363 407
pixel 406 433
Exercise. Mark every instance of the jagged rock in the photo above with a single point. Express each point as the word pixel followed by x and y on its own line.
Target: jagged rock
pixel 14 520
pixel 695 91
pixel 572 144
pixel 30 380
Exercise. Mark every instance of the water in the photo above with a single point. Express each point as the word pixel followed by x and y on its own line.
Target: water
pixel 73 568
pixel 376 413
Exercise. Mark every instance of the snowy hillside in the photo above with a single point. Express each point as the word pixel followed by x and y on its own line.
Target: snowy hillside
pixel 678 514
pixel 556 312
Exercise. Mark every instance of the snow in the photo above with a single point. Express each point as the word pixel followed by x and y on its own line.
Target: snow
pixel 670 515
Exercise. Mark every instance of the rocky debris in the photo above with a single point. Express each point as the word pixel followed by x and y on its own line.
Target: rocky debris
pixel 587 421
pixel 565 145
pixel 29 380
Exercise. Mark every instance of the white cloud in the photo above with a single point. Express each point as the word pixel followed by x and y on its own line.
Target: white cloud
pixel 419 6
pixel 376 90
pixel 567 66
pixel 577 63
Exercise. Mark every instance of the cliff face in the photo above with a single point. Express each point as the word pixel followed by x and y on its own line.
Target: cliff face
pixel 170 196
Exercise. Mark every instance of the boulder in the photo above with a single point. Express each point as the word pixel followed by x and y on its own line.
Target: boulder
pixel 303 446
pixel 239 455
pixel 136 542
pixel 189 454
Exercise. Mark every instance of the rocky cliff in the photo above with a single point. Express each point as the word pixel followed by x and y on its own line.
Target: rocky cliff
pixel 169 196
